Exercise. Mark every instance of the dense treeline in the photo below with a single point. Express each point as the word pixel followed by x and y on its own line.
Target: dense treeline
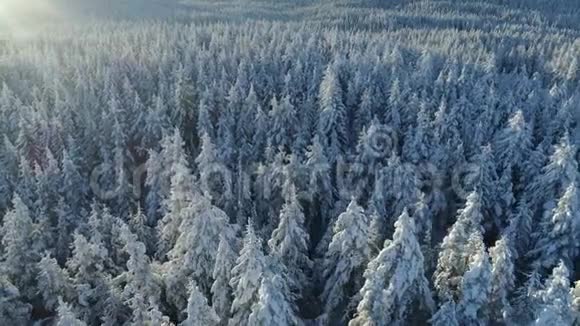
pixel 330 165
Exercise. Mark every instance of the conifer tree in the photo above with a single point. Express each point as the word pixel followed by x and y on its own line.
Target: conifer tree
pixel 526 300
pixel 73 185
pixel 556 299
pixel 332 127
pixel 247 276
pixel 560 171
pixel 177 206
pixel 64 226
pixel 246 128
pixel 154 123
pixel 290 242
pixel 215 179
pixel 139 226
pixel 514 143
pixel 320 185
pixel 259 138
pixel 559 238
pixel 395 281
pixel 154 317
pixel 347 255
pixel 139 279
pixel 198 312
pixel 204 116
pixel 502 280
pixel 475 289
pixel 283 122
pixel 53 282
pixel 193 256
pixel 221 289
pixel 452 262
pixel 576 301
pixel 520 227
pixel 273 307
pixel 13 309
pixel 87 269
pixel 154 188
pixel 446 315
pixel 485 179
pixel 18 258
pixel 66 316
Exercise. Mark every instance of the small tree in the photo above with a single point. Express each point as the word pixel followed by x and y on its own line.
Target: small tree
pixel 332 126
pixel 181 196
pixel 502 280
pixel 526 300
pixel 560 232
pixel 556 299
pixel 66 316
pixel 348 253
pixel 193 255
pixel 139 226
pixel 320 185
pixel 273 306
pixel 247 276
pixel 87 270
pixel 199 313
pixel 53 282
pixel 446 315
pixel 395 280
pixel 13 310
pixel 18 257
pixel 576 301
pixel 290 242
pixel 139 279
pixel 475 287
pixel 221 289
pixel 514 142
pixel 452 263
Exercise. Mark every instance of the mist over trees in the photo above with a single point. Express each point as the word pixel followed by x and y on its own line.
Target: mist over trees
pixel 293 163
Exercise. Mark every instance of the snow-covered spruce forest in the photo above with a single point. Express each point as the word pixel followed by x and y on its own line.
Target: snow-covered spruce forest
pixel 309 162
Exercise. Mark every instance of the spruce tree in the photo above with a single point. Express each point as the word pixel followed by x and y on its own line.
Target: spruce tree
pixel 66 316
pixel 53 282
pixel 452 262
pixel 221 289
pixel 332 127
pixel 13 307
pixel 198 312
pixel 476 288
pixel 247 276
pixel 555 307
pixel 193 256
pixel 395 281
pixel 559 233
pixel 348 254
pixel 18 258
pixel 446 315
pixel 273 307
pixel 502 280
pixel 290 243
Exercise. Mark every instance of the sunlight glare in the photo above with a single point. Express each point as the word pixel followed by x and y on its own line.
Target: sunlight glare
pixel 25 17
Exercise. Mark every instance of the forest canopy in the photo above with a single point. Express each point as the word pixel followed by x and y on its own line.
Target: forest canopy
pixel 307 162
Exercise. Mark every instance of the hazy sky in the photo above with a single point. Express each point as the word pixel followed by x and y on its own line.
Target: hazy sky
pixel 23 17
